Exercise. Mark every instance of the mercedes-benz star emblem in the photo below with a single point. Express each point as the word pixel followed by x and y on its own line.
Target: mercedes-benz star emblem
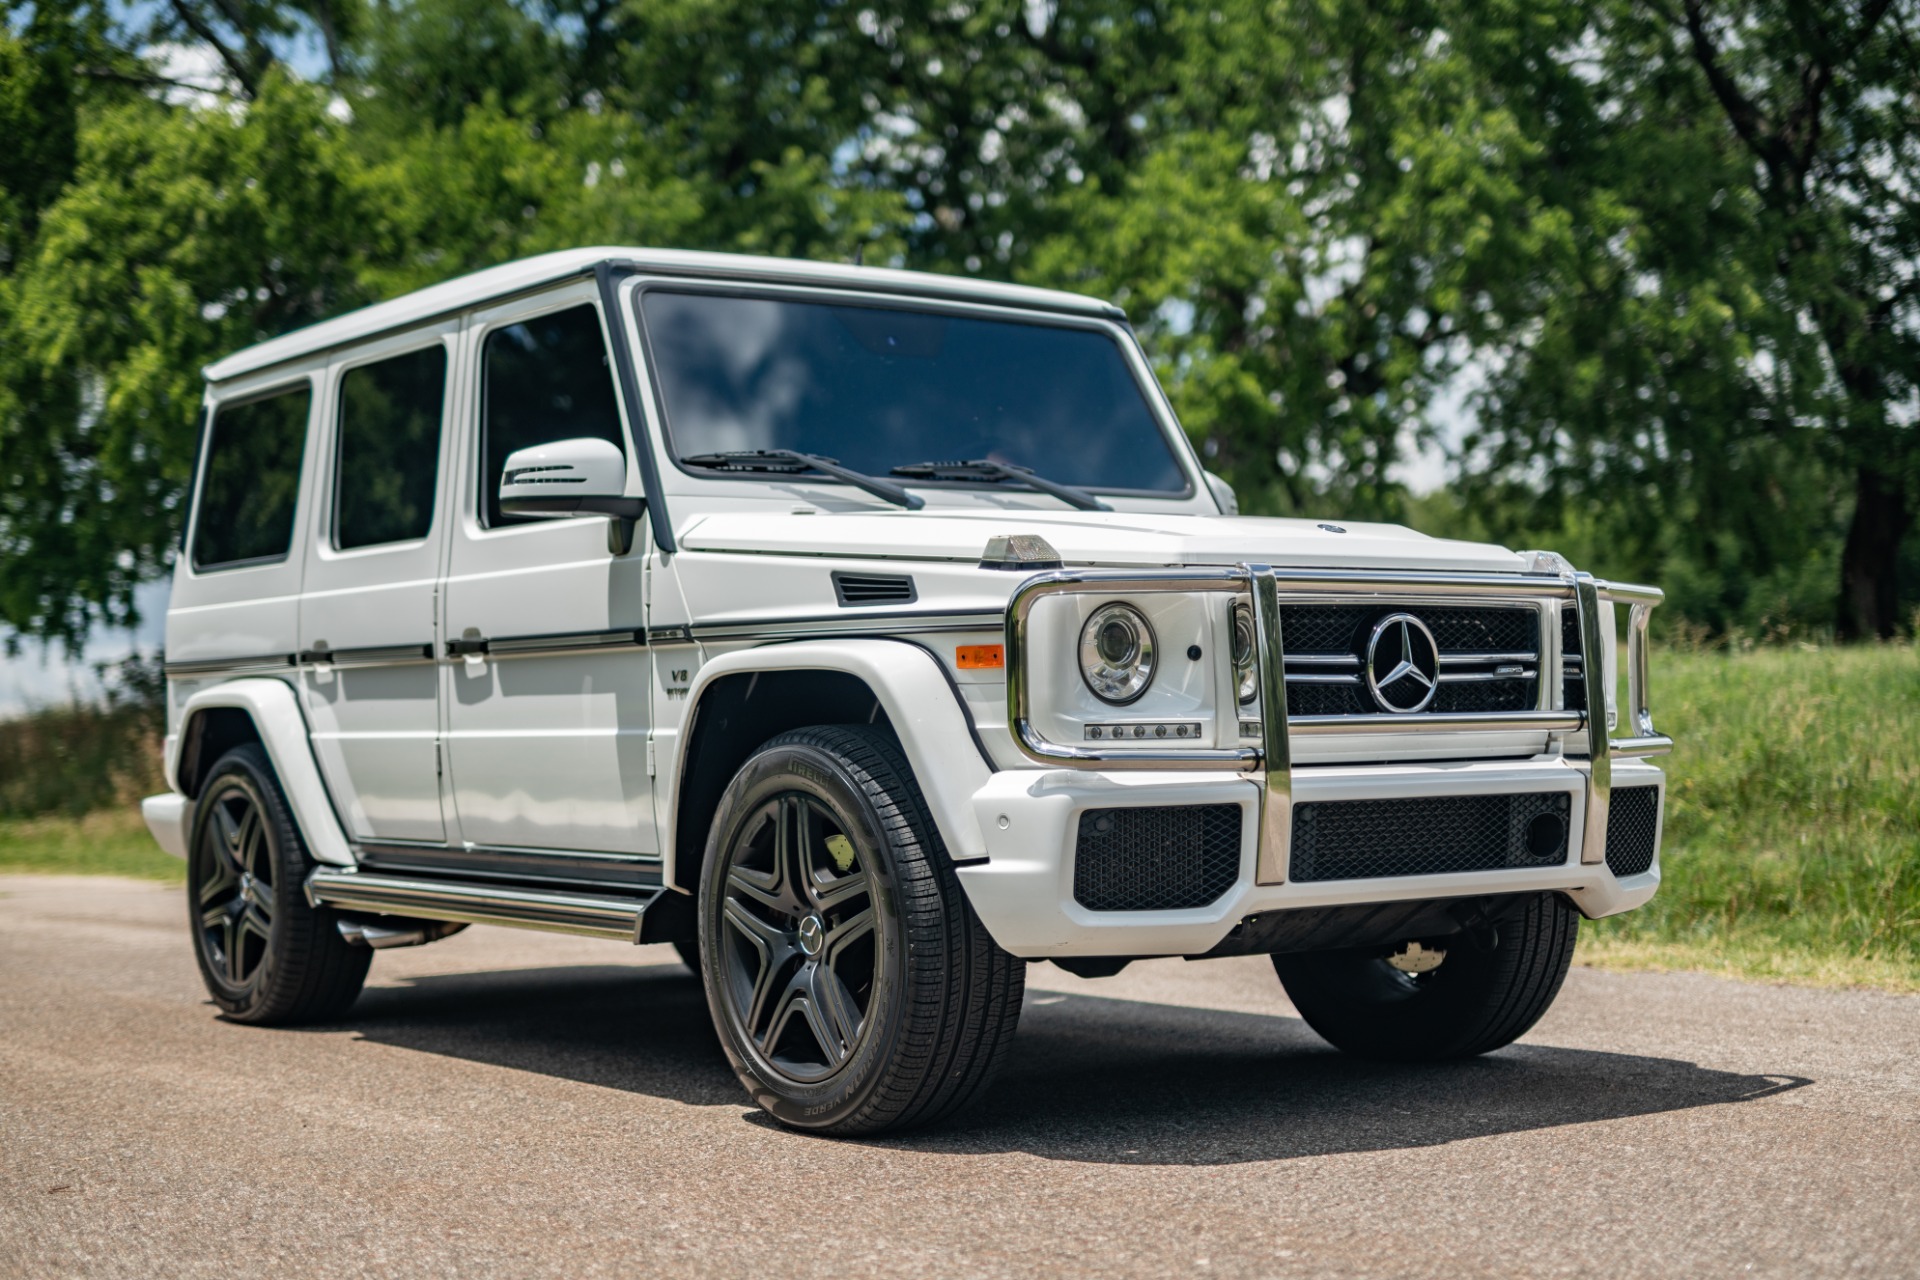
pixel 1403 664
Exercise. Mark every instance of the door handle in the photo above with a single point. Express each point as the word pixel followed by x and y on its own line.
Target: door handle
pixel 467 647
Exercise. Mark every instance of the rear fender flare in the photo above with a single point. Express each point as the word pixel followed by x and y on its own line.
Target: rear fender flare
pixel 274 709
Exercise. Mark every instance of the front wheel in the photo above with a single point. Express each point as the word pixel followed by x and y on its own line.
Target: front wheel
pixel 1486 990
pixel 852 986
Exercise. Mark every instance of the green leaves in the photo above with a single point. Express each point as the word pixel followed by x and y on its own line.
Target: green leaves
pixel 1656 259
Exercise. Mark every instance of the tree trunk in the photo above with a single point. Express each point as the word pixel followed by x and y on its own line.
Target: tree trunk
pixel 1869 595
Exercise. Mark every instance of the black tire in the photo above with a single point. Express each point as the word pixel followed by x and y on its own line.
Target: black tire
pixel 916 1005
pixel 1486 994
pixel 266 956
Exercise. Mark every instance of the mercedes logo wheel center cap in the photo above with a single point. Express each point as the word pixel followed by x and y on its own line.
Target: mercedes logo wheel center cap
pixel 1403 664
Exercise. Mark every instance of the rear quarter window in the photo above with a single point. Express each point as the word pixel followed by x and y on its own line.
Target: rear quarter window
pixel 251 481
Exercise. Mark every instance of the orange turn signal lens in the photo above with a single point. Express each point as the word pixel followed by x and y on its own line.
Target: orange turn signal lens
pixel 979 657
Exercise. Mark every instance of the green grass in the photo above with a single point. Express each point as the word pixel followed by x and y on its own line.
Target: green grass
pixel 1792 841
pixel 113 842
pixel 1792 845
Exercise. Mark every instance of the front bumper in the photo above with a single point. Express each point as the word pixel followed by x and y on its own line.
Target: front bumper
pixel 1024 891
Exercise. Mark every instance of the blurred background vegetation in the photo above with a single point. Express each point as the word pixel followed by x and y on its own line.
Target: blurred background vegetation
pixel 1634 280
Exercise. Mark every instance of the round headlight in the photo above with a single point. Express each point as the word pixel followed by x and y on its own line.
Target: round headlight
pixel 1245 677
pixel 1116 653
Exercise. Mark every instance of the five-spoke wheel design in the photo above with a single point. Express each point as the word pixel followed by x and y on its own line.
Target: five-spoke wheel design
pixel 798 954
pixel 235 882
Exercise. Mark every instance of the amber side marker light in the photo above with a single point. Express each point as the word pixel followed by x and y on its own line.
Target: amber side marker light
pixel 979 657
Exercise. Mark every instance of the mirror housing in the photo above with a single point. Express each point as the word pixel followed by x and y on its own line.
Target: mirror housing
pixel 571 478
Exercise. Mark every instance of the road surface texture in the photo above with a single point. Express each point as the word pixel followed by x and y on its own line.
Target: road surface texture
pixel 510 1103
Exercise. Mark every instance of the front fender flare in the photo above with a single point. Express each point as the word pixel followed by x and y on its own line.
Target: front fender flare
pixel 919 700
pixel 275 711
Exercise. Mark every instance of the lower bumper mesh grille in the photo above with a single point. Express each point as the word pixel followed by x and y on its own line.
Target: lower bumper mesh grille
pixel 1156 859
pixel 1633 824
pixel 1365 839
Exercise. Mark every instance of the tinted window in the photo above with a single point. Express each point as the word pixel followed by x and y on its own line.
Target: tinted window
pixel 389 455
pixel 251 481
pixel 545 379
pixel 882 387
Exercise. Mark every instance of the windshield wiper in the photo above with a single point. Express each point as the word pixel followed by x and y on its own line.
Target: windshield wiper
pixel 793 462
pixel 987 469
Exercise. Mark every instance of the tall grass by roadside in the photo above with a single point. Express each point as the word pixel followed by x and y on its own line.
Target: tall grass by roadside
pixel 71 778
pixel 1792 839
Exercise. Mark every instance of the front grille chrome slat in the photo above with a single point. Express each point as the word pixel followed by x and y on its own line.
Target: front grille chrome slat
pixel 1326 641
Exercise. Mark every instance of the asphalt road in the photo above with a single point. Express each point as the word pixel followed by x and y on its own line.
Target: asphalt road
pixel 508 1103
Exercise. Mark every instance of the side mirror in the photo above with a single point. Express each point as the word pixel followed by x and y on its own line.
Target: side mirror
pixel 1223 493
pixel 570 478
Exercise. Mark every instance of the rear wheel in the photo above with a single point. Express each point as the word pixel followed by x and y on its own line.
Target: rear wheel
pixel 1486 990
pixel 265 954
pixel 853 987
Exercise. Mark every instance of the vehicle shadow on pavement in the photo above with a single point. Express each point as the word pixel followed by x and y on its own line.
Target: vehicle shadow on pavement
pixel 1090 1078
pixel 640 1028
pixel 1122 1082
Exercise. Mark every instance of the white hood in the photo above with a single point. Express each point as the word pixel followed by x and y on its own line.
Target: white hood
pixel 1109 539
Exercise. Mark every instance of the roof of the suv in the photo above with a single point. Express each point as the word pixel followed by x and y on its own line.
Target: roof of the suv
pixel 530 273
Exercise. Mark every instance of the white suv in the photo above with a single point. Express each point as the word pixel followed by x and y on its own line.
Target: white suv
pixel 867 635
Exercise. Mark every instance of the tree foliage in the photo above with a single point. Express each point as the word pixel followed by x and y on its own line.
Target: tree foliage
pixel 1659 255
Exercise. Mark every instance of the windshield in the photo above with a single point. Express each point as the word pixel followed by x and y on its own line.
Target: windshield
pixel 882 387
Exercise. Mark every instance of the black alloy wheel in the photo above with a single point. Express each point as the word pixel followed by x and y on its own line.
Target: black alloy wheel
pixel 799 956
pixel 265 953
pixel 235 882
pixel 852 986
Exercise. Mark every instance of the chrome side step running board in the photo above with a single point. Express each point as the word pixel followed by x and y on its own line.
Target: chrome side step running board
pixel 596 915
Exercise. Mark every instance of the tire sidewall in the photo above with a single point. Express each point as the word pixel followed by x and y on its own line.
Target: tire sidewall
pixel 800 767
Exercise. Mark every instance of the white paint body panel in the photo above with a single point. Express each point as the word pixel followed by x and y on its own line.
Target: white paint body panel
pixel 376 727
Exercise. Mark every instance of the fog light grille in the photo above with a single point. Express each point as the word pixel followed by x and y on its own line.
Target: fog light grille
pixel 1365 839
pixel 1633 824
pixel 1156 859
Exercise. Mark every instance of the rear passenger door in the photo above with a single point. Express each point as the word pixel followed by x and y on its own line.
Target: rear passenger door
pixel 368 613
pixel 549 695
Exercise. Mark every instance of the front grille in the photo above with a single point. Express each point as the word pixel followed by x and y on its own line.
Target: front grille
pixel 1364 839
pixel 1573 686
pixel 1633 825
pixel 1156 859
pixel 852 589
pixel 1326 648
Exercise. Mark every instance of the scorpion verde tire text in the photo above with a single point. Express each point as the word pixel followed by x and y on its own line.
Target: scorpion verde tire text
pixel 1483 995
pixel 852 986
pixel 265 954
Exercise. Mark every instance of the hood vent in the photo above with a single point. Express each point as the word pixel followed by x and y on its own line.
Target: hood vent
pixel 854 590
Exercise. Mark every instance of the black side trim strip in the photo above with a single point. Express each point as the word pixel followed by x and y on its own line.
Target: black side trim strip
pixel 532 866
pixel 368 655
pixel 235 666
pixel 636 413
pixel 619 638
pixel 845 624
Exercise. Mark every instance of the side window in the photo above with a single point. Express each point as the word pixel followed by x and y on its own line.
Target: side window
pixel 251 481
pixel 389 451
pixel 542 379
